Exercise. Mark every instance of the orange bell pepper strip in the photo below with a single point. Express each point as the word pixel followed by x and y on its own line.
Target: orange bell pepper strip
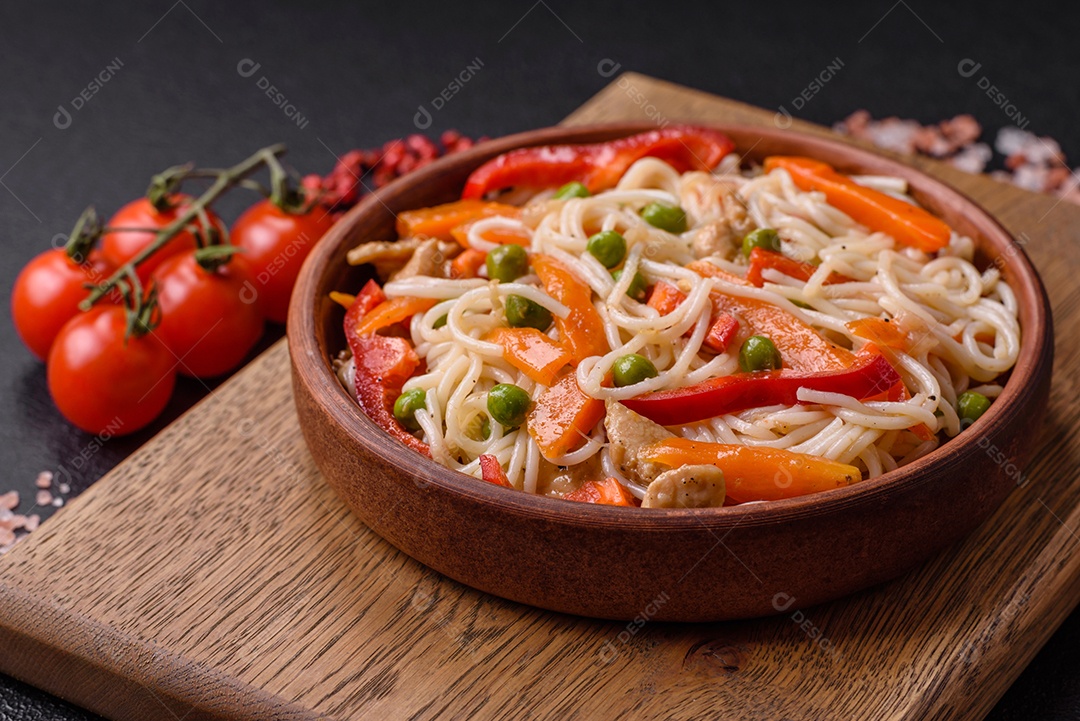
pixel 756 474
pixel 531 352
pixel 467 264
pixel 582 330
pixel 562 417
pixel 439 221
pixel 801 347
pixel 608 492
pixel 906 223
pixel 760 259
pixel 492 472
pixel 880 332
pixel 502 236
pixel 390 312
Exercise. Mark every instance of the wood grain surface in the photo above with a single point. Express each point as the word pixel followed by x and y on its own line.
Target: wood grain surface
pixel 214 575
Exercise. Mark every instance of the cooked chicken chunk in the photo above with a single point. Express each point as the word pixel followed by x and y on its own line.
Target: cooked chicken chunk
pixel 686 487
pixel 420 256
pixel 723 234
pixel 628 433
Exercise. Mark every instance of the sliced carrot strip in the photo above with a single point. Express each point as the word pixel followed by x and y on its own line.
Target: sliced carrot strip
pixel 608 492
pixel 467 263
pixel 439 221
pixel 665 298
pixel 531 352
pixel 756 474
pixel 392 311
pixel 907 223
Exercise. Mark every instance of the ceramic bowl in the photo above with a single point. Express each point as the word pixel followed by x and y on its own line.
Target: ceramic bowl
pixel 677 564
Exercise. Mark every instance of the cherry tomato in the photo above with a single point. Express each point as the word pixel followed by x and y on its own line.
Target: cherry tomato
pixel 210 320
pixel 121 246
pixel 275 243
pixel 106 383
pixel 47 295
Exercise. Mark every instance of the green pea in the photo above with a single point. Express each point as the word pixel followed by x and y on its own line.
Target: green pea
pixel 632 368
pixel 439 322
pixel 759 354
pixel 524 313
pixel 608 247
pixel 764 238
pixel 665 217
pixel 638 286
pixel 406 406
pixel 572 190
pixel 507 262
pixel 970 406
pixel 508 404
pixel 479 428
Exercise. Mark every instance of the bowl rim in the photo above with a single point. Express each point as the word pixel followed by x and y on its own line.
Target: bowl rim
pixel 346 413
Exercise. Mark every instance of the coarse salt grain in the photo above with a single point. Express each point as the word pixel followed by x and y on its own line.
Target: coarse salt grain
pixel 7 537
pixel 57 501
pixel 43 498
pixel 31 523
pixel 44 479
pixel 64 488
pixel 10 500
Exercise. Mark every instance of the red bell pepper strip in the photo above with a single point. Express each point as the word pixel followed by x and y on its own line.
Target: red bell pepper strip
pixel 665 298
pixel 599 165
pixel 908 224
pixel 383 364
pixel 760 259
pixel 723 330
pixel 492 471
pixel 871 374
pixel 608 492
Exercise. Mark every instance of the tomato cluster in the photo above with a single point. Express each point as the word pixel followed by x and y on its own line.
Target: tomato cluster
pixel 104 378
pixel 194 302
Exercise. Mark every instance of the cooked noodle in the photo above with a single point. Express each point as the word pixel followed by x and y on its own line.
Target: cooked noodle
pixel 963 322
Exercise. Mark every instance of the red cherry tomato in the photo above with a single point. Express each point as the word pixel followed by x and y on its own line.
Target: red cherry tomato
pixel 106 383
pixel 275 243
pixel 210 320
pixel 121 246
pixel 47 295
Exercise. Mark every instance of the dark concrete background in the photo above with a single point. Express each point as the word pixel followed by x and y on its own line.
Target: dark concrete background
pixel 359 73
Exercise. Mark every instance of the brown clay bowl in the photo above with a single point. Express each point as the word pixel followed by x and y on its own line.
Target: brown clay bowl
pixel 678 564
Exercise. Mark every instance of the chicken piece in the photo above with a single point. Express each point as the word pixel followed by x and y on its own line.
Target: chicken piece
pixel 687 487
pixel 628 433
pixel 724 234
pixel 391 257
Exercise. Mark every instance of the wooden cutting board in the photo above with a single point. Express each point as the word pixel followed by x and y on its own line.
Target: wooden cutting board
pixel 213 575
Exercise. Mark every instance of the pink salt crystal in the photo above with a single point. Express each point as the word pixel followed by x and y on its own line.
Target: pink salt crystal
pixel 929 140
pixel 11 522
pixel 44 479
pixel 1031 177
pixel 57 501
pixel 1057 177
pixel 64 488
pixel 973 158
pixel 10 500
pixel 7 537
pixel 894 134
pixel 43 498
pixel 31 523
pixel 961 130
